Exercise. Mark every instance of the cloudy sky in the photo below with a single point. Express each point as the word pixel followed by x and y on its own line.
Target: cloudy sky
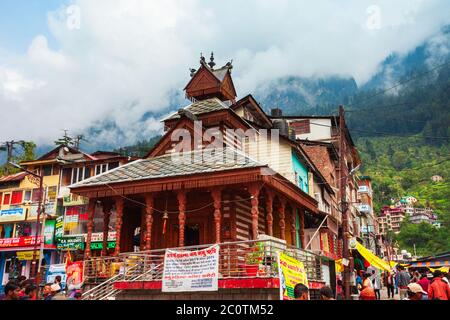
pixel 70 64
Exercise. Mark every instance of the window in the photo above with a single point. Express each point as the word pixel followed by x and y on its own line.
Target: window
pixel 301 126
pixel 7 198
pixel 47 170
pixel 87 173
pixel 100 168
pixel 17 197
pixel 78 174
pixel 35 195
pixel 113 165
pixel 27 196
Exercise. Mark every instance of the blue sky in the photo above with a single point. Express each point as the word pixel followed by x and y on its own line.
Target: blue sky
pixel 22 20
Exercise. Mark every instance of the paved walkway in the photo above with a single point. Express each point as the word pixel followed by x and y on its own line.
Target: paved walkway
pixel 384 295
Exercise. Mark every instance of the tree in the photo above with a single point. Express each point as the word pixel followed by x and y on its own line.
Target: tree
pixel 28 153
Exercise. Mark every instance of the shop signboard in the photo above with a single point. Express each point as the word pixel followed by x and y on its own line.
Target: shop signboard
pixel 49 231
pixel 59 227
pixel 291 272
pixel 49 208
pixel 15 214
pixel 26 255
pixel 19 242
pixel 74 200
pixel 99 245
pixel 98 237
pixel 70 243
pixel 188 271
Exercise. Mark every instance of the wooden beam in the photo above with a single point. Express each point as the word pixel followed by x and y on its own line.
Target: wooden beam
pixel 181 196
pixel 90 226
pixel 107 206
pixel 293 227
pixel 149 205
pixel 269 208
pixel 217 199
pixel 254 190
pixel 119 219
pixel 281 214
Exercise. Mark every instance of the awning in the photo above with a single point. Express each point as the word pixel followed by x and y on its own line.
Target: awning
pixel 426 264
pixel 372 259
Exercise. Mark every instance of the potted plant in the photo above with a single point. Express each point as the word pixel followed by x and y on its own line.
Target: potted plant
pixel 253 259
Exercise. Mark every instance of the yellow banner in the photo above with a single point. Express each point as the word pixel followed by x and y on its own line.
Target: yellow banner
pixel 372 259
pixel 338 265
pixel 26 255
pixel 442 269
pixel 291 272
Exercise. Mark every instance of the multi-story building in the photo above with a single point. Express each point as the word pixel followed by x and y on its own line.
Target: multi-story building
pixel 320 135
pixel 425 215
pixel 390 219
pixel 65 214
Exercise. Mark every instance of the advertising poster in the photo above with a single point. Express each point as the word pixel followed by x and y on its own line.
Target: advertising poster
pixel 74 272
pixel 57 270
pixel 191 270
pixel 291 272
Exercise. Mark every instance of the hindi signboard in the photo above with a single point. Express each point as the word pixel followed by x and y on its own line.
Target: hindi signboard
pixel 10 215
pixel 187 271
pixel 291 272
pixel 19 242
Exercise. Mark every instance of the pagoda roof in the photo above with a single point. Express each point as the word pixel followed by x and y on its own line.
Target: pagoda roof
pixel 200 107
pixel 189 163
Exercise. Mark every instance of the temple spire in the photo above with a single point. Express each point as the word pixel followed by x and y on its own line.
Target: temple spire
pixel 211 62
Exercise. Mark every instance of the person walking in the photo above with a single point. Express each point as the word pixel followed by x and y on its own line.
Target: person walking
pixel 438 288
pixel 376 281
pixel 403 279
pixel 424 283
pixel 390 284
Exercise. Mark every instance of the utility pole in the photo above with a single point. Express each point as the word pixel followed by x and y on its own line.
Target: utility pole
pixel 344 204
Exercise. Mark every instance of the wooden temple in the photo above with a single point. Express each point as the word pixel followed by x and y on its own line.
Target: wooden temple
pixel 234 192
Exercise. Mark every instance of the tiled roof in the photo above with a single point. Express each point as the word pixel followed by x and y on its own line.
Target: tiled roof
pixel 200 107
pixel 165 166
pixel 14 177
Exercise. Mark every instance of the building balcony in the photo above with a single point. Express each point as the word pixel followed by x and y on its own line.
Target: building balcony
pixel 365 190
pixel 146 267
pixel 365 208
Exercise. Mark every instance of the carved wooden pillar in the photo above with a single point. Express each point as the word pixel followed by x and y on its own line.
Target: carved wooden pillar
pixel 269 216
pixel 293 227
pixel 281 214
pixel 181 196
pixel 217 198
pixel 107 206
pixel 90 227
pixel 254 192
pixel 301 215
pixel 119 219
pixel 149 202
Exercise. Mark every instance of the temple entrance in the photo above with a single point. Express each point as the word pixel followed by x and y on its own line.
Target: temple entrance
pixel 130 237
pixel 192 235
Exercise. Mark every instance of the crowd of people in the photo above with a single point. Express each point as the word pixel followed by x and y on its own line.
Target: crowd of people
pixel 25 289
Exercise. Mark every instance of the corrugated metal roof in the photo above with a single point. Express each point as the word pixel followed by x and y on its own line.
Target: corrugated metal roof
pixel 200 107
pixel 165 166
pixel 220 73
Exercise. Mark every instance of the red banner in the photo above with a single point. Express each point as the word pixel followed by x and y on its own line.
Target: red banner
pixel 19 242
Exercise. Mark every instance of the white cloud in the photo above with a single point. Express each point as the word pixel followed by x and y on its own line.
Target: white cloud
pixel 127 56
